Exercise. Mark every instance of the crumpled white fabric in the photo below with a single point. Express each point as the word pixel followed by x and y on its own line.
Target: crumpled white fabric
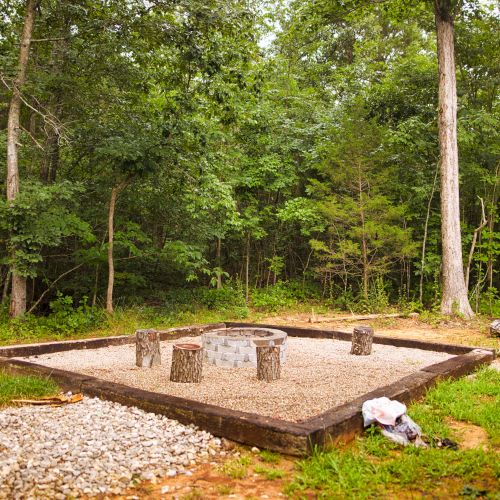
pixel 382 410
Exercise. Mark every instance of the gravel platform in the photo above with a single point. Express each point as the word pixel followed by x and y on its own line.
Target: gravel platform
pixel 92 448
pixel 318 375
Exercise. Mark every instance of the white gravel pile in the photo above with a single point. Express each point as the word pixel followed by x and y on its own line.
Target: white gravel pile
pixel 92 448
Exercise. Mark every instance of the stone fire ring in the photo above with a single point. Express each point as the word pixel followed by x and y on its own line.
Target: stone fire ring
pixel 237 347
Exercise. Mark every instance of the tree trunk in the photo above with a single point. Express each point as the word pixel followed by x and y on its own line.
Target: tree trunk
pixel 219 265
pixel 362 339
pixel 247 268
pixel 491 227
pixel 364 251
pixel 147 348
pixel 18 295
pixel 6 285
pixel 454 299
pixel 111 267
pixel 268 363
pixel 187 363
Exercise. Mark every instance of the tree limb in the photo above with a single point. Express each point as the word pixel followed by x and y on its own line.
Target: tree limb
pixel 35 305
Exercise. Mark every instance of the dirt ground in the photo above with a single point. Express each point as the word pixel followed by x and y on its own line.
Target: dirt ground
pixel 210 481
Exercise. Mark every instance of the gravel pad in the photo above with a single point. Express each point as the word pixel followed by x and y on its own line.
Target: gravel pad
pixel 90 448
pixel 317 375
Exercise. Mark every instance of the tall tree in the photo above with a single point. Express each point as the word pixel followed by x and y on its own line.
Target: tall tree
pixel 18 295
pixel 454 298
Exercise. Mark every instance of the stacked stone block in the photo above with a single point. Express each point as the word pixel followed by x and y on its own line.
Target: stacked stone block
pixel 231 349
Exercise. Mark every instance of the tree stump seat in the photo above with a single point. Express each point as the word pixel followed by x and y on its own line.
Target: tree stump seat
pixel 147 348
pixel 362 339
pixel 268 363
pixel 187 363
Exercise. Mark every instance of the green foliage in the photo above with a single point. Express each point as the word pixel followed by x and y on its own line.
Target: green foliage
pixel 24 387
pixel 64 320
pixel 269 457
pixel 283 295
pixel 312 153
pixel 40 218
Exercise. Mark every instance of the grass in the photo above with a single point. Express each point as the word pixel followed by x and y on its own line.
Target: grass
pixel 270 473
pixel 24 387
pixel 224 489
pixel 270 457
pixel 236 468
pixel 376 468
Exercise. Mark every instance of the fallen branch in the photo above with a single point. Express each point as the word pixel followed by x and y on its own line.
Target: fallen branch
pixel 354 317
pixel 52 400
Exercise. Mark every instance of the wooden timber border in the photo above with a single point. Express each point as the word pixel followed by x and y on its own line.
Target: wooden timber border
pixel 339 424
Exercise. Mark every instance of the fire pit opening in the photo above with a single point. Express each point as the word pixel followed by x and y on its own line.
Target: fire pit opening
pixel 236 347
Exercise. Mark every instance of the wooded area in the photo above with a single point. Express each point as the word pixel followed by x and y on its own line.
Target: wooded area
pixel 347 150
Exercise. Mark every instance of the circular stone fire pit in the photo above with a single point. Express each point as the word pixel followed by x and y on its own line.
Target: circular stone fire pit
pixel 236 347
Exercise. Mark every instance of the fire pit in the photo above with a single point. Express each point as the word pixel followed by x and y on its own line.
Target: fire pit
pixel 236 347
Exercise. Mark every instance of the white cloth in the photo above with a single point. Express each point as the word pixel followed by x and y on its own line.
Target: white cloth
pixel 383 410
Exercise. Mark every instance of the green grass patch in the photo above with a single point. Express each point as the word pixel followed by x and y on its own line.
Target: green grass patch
pixel 24 387
pixel 236 468
pixel 374 467
pixel 270 457
pixel 270 473
pixel 475 400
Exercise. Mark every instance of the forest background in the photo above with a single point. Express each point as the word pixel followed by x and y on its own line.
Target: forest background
pixel 222 155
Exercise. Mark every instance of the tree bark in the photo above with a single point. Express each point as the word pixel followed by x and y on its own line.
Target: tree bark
pixel 187 363
pixel 491 227
pixel 268 363
pixel 111 267
pixel 247 269
pixel 18 294
pixel 6 285
pixel 454 299
pixel 362 339
pixel 364 251
pixel 147 348
pixel 219 264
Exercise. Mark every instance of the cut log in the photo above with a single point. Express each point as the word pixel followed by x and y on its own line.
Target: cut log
pixel 268 363
pixel 353 317
pixel 495 328
pixel 362 339
pixel 186 363
pixel 147 348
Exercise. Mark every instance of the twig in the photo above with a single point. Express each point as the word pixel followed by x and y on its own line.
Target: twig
pixel 477 231
pixel 34 306
pixel 32 138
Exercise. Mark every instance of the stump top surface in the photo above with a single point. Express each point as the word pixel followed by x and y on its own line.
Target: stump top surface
pixel 189 347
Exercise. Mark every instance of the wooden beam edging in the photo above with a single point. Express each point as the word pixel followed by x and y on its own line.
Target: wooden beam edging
pixel 26 350
pixel 314 333
pixel 339 424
